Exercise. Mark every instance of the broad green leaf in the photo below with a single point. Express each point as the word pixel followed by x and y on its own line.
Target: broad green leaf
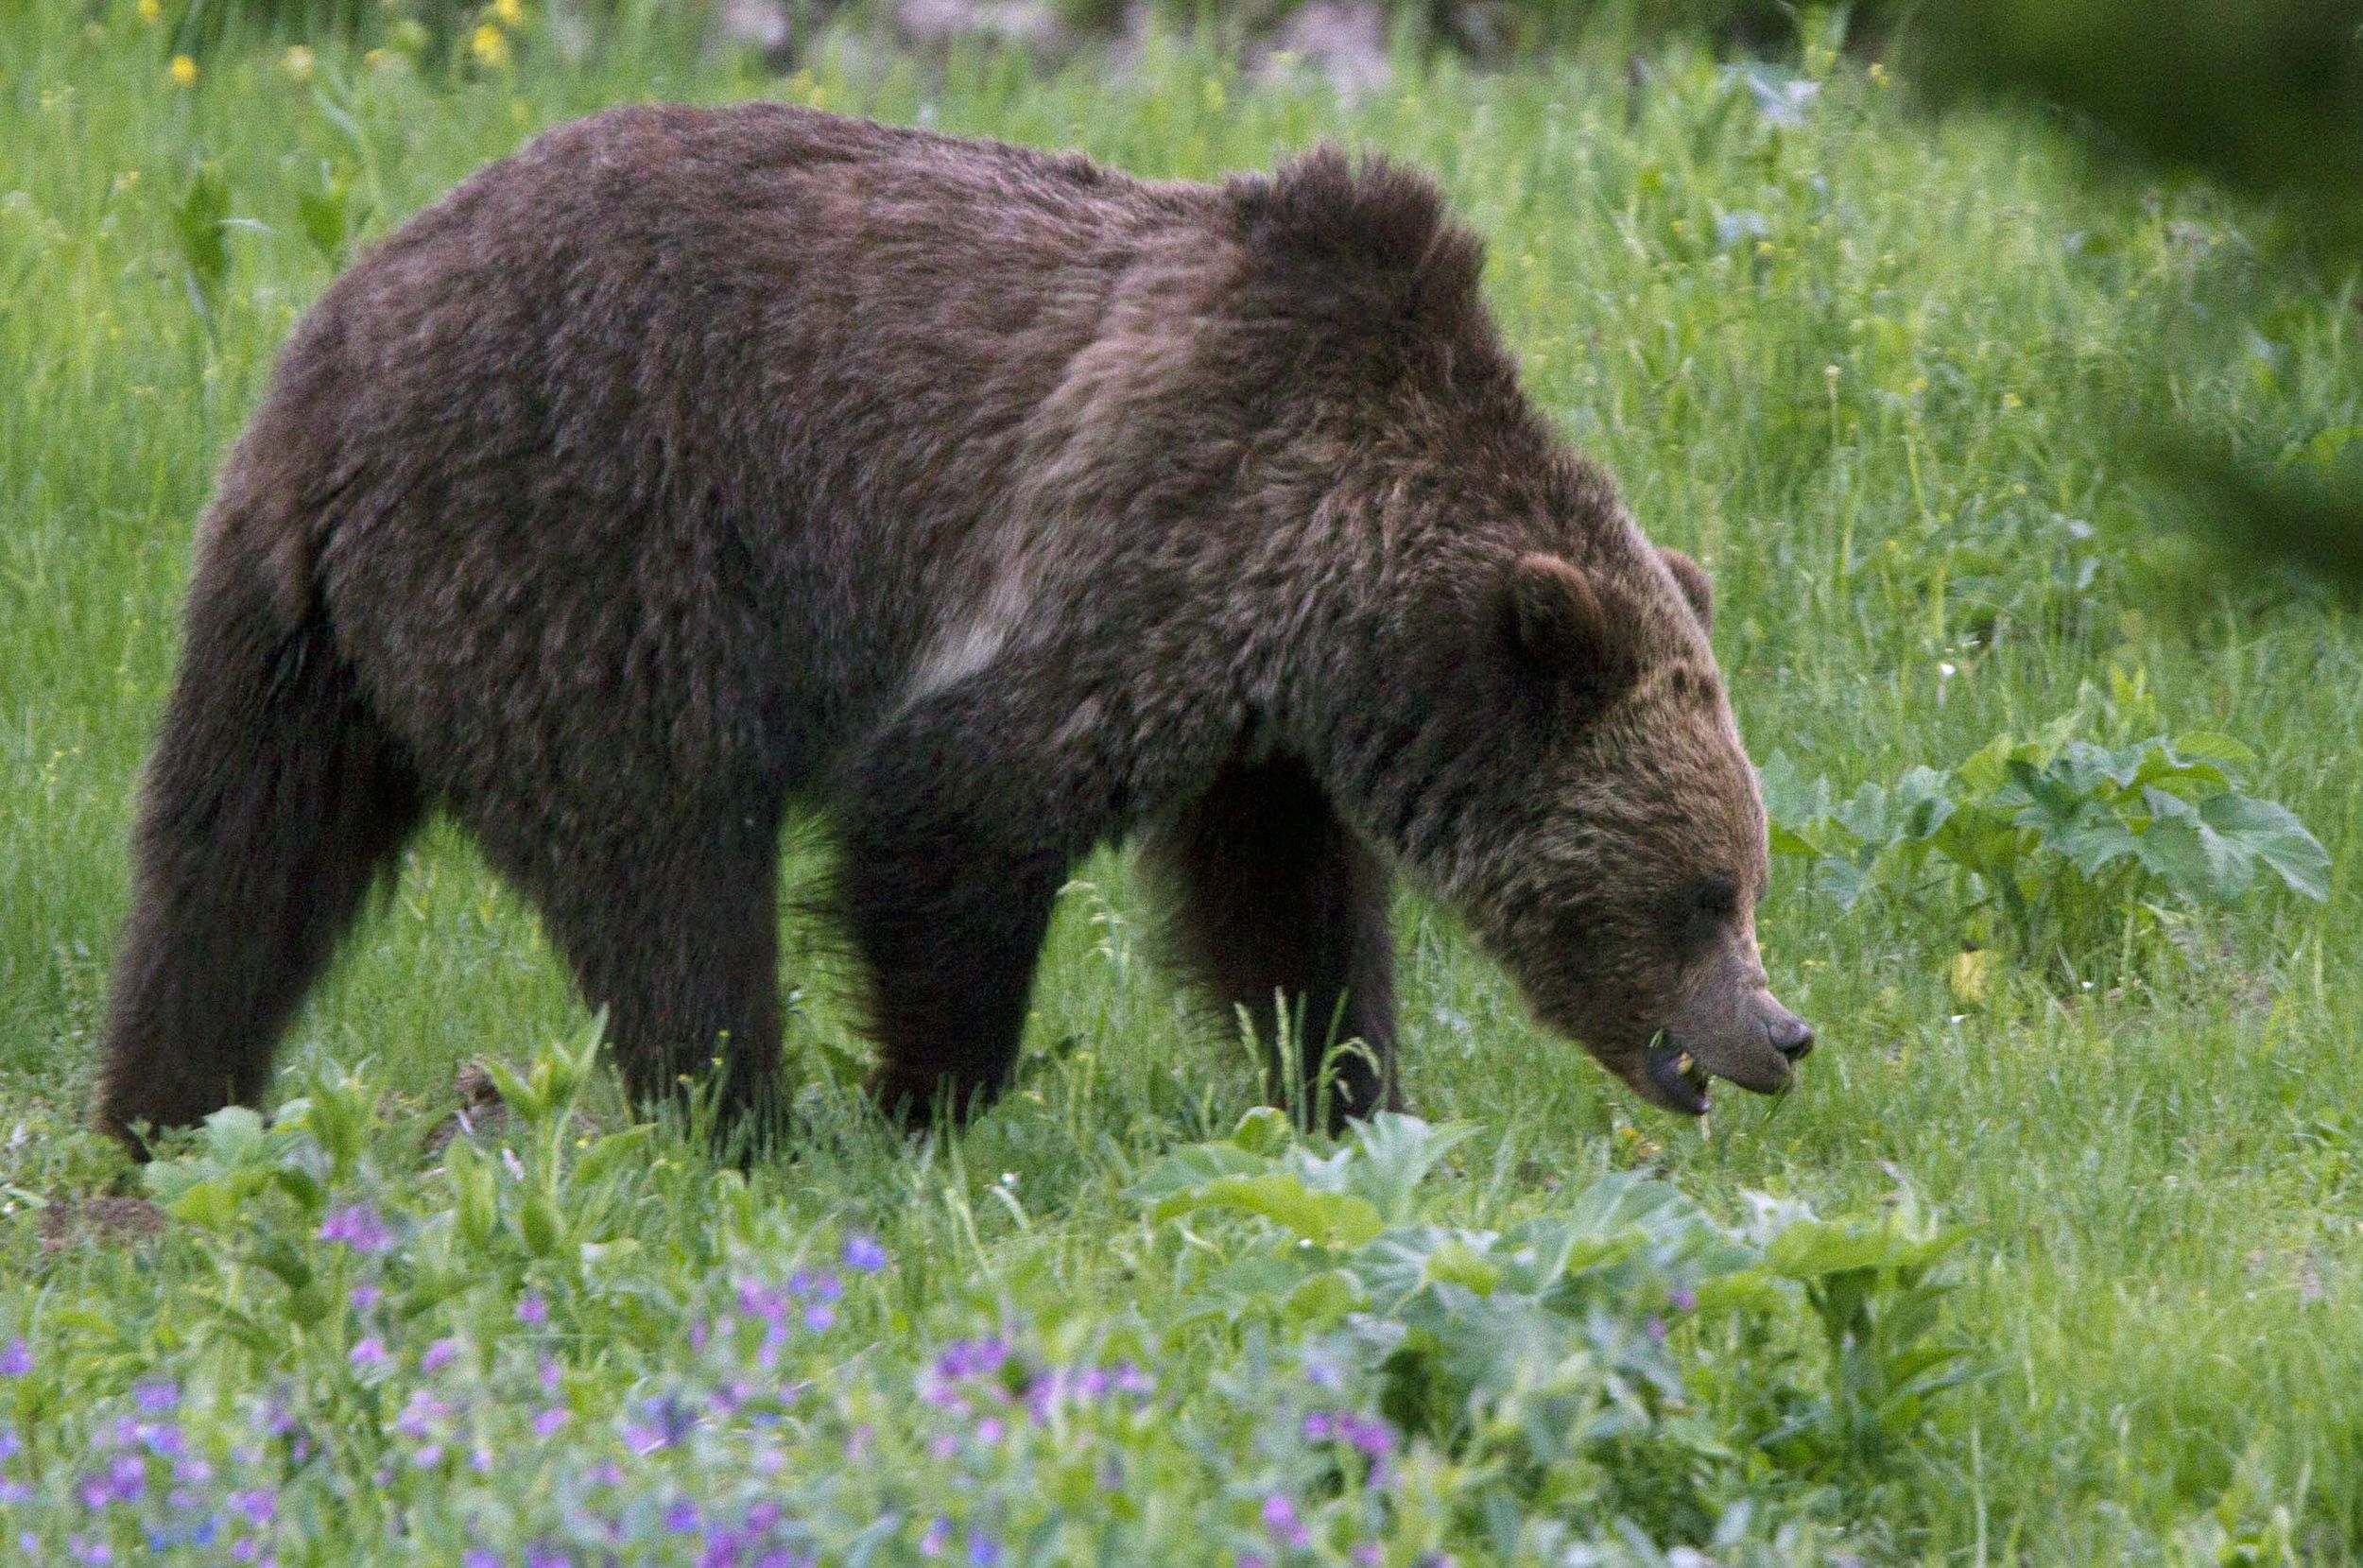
pixel 602 1158
pixel 2214 747
pixel 1455 1262
pixel 1192 1169
pixel 1398 1152
pixel 233 1135
pixel 1323 1301
pixel 2193 859
pixel 1790 798
pixel 1263 1130
pixel 1332 1220
pixel 211 1204
pixel 2273 835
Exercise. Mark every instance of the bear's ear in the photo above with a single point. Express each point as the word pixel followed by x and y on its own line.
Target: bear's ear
pixel 1559 625
pixel 1363 244
pixel 1695 586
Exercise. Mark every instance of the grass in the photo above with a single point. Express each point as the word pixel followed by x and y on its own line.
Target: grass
pixel 1870 367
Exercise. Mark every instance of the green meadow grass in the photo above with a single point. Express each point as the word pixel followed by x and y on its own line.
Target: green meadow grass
pixel 1874 369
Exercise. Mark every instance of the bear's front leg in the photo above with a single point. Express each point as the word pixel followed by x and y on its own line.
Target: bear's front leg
pixel 1277 904
pixel 956 839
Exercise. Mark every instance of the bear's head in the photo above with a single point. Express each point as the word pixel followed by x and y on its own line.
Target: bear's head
pixel 1525 712
pixel 1620 880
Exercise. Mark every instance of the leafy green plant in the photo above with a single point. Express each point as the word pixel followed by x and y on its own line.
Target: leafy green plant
pixel 1542 1354
pixel 1874 1288
pixel 199 221
pixel 2059 840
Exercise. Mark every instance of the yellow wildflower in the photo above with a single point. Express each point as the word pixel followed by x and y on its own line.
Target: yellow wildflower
pixel 510 14
pixel 151 12
pixel 183 71
pixel 490 45
pixel 298 64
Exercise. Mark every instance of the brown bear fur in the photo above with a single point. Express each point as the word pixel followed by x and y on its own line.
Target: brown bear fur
pixel 693 464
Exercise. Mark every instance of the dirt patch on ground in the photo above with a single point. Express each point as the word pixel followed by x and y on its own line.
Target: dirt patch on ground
pixel 99 1221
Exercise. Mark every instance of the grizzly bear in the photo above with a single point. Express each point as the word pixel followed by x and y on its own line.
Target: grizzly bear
pixel 690 467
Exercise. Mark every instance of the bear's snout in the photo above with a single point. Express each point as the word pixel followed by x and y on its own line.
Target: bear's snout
pixel 1754 1043
pixel 1789 1034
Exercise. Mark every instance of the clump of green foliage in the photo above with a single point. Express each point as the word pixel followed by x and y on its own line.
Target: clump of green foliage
pixel 2054 843
pixel 489 1366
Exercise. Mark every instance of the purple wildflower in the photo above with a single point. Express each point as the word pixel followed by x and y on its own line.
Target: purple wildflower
pixel 1373 1437
pixel 1319 1427
pixel 680 1517
pixel 662 1423
pixel 819 1316
pixel 17 1359
pixel 157 1398
pixel 938 1535
pixel 1279 1518
pixel 532 1310
pixel 358 1227
pixel 863 1254
pixel 1685 1299
pixel 365 1296
pixel 983 1550
pixel 419 1416
pixel 368 1354
pixel 971 1358
pixel 1368 1554
pixel 549 1422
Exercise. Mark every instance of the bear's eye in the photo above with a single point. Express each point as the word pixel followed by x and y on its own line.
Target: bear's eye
pixel 1715 898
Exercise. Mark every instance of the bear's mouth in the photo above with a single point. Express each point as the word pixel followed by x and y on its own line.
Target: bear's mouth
pixel 1677 1076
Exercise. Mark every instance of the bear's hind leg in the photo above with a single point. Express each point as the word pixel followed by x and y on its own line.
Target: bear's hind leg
pixel 1273 898
pixel 273 800
pixel 678 939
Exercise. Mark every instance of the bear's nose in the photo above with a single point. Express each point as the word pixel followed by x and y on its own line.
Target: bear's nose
pixel 1790 1035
